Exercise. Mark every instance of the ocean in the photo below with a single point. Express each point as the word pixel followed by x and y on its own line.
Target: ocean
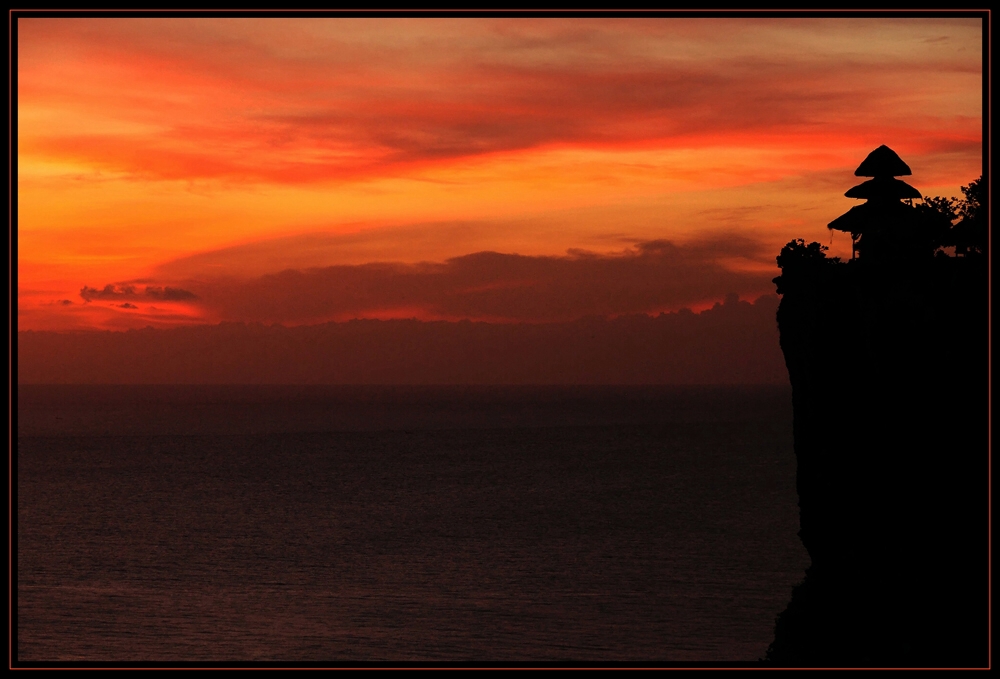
pixel 403 524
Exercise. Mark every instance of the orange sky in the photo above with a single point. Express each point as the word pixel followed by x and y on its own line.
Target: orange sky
pixel 297 171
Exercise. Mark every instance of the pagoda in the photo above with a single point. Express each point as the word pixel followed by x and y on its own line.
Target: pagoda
pixel 883 225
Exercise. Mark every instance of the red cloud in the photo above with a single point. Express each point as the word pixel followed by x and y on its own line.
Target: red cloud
pixel 492 286
pixel 290 102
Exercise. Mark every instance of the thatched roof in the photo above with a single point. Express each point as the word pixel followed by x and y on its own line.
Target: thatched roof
pixel 866 216
pixel 883 187
pixel 883 162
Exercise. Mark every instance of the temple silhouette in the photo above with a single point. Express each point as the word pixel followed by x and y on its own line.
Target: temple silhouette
pixel 887 354
pixel 883 223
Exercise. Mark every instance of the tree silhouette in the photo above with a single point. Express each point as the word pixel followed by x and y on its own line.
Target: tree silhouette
pixel 971 234
pixel 959 222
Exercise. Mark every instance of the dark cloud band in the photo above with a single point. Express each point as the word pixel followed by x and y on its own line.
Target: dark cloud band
pixel 123 292
pixel 648 278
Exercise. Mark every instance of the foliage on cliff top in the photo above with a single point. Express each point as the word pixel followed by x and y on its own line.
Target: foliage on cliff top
pixel 962 220
pixel 797 257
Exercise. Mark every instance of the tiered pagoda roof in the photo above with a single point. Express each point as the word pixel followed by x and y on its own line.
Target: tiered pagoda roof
pixel 883 195
pixel 883 187
pixel 883 162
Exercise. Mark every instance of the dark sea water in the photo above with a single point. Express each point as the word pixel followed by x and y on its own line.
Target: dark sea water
pixel 448 524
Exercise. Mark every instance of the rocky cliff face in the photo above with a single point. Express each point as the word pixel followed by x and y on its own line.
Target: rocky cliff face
pixel 888 362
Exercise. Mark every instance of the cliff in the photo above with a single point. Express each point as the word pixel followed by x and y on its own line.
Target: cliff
pixel 888 362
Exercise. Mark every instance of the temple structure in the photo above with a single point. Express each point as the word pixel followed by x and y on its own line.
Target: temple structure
pixel 883 225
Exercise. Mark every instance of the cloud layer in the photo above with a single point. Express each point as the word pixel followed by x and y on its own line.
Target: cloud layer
pixel 731 343
pixel 128 292
pixel 314 100
pixel 650 277
pixel 176 153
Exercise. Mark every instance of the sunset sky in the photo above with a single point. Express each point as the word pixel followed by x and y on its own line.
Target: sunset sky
pixel 181 171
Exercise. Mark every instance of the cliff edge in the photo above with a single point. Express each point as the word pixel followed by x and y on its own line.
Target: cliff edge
pixel 888 356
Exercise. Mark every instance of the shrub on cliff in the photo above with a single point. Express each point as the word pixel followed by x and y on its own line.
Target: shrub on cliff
pixel 798 259
pixel 968 235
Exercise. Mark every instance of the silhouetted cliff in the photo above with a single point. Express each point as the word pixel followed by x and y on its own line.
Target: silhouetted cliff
pixel 887 358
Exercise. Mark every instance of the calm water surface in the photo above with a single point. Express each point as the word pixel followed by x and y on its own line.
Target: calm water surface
pixel 402 524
